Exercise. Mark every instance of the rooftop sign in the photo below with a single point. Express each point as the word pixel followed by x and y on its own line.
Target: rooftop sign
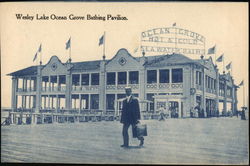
pixel 172 40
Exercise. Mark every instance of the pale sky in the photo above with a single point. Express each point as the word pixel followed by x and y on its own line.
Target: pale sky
pixel 223 24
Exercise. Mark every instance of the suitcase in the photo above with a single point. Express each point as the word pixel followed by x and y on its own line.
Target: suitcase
pixel 140 130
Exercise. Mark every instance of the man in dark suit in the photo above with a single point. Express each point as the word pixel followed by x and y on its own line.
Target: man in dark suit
pixel 130 116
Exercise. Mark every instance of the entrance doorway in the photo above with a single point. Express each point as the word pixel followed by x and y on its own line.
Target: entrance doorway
pixel 174 109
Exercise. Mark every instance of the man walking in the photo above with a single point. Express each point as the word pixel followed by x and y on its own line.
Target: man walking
pixel 130 116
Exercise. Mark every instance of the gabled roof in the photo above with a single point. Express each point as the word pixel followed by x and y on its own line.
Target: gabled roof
pixel 171 59
pixel 32 70
pixel 87 65
pixel 151 61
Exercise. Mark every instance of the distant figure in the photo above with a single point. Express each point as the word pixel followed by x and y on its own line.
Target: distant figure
pixel 202 113
pixel 217 113
pixel 191 112
pixel 130 116
pixel 243 117
pixel 237 113
pixel 162 110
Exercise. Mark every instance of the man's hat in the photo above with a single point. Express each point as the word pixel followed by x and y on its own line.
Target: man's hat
pixel 127 87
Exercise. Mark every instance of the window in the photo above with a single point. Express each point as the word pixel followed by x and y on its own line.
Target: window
pixel 208 82
pixel 214 84
pixel 164 76
pixel 206 79
pixel 111 78
pixel 95 79
pixel 75 79
pixel 110 101
pixel 133 77
pixel 94 100
pixel 62 79
pixel 85 79
pixel 85 101
pixel 150 98
pixel 177 75
pixel 197 77
pixel 151 76
pixel 122 77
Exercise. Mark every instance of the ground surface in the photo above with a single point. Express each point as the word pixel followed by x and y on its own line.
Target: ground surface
pixel 206 141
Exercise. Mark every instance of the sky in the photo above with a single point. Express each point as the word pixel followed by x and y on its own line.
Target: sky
pixel 222 23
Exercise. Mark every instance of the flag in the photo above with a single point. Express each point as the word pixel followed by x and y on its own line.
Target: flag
pixel 101 40
pixel 35 57
pixel 220 59
pixel 174 24
pixel 242 82
pixel 68 43
pixel 135 50
pixel 229 66
pixel 211 50
pixel 40 48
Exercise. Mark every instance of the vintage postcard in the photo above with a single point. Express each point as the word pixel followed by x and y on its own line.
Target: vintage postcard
pixel 124 82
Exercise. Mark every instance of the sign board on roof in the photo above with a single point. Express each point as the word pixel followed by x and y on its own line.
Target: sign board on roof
pixel 172 40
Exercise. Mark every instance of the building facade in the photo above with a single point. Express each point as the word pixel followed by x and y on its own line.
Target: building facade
pixel 174 82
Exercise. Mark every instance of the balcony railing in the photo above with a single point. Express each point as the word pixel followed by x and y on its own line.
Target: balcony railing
pixel 54 89
pixel 85 88
pixel 122 87
pixel 165 86
pixel 32 89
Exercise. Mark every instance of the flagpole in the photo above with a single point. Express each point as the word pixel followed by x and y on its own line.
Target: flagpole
pixel 104 44
pixel 70 49
pixel 223 66
pixel 41 55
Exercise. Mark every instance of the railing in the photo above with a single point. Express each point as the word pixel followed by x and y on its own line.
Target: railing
pixel 152 86
pixel 165 86
pixel 32 89
pixel 54 89
pixel 121 87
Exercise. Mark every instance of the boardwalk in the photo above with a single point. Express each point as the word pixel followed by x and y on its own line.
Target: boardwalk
pixel 214 141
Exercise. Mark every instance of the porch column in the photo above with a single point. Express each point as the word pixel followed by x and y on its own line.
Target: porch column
pixel 44 100
pixel 217 82
pixel 157 78
pixel 49 101
pixel 203 97
pixel 38 88
pixel 89 102
pixel 30 84
pixel 102 87
pixel 13 95
pixel 142 84
pixel 80 101
pixel 225 96
pixel 29 101
pixel 68 91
